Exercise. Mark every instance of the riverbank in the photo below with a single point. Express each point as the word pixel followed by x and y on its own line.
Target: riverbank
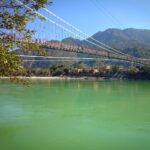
pixel 57 78
pixel 64 72
pixel 68 78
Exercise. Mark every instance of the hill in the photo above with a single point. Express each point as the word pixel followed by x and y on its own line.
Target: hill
pixel 135 42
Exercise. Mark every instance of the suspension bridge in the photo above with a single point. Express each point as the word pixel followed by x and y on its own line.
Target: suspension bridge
pixel 53 29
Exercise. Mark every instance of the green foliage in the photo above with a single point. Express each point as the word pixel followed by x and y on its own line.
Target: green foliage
pixel 145 69
pixel 132 70
pixel 115 69
pixel 13 33
pixel 59 70
pixel 10 65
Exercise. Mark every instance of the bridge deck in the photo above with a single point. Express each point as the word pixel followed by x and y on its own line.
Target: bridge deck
pixel 100 53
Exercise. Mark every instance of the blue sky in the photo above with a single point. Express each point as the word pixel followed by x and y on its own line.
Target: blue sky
pixel 90 16
pixel 98 15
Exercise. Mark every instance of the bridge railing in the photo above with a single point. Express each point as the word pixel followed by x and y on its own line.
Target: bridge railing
pixel 57 45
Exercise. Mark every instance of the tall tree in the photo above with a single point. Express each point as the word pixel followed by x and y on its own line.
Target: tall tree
pixel 14 34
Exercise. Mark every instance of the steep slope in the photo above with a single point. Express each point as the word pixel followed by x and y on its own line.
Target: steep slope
pixel 132 41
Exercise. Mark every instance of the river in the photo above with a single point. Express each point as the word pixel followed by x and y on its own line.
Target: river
pixel 75 115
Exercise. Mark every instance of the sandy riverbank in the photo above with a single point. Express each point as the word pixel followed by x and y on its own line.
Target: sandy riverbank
pixel 55 78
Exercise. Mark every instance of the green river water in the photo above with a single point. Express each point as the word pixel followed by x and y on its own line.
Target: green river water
pixel 75 115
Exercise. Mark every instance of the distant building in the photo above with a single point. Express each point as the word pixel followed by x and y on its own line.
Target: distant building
pixel 95 70
pixel 108 67
pixel 80 70
pixel 121 68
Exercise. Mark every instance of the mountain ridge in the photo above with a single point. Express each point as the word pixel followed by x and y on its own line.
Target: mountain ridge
pixel 132 41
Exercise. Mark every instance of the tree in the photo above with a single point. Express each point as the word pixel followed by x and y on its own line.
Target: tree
pixel 132 70
pixel 14 34
pixel 115 69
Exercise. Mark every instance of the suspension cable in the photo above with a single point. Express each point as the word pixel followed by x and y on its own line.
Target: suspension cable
pixel 64 28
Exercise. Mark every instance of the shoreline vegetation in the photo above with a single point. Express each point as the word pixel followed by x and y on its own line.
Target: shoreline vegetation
pixel 82 72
